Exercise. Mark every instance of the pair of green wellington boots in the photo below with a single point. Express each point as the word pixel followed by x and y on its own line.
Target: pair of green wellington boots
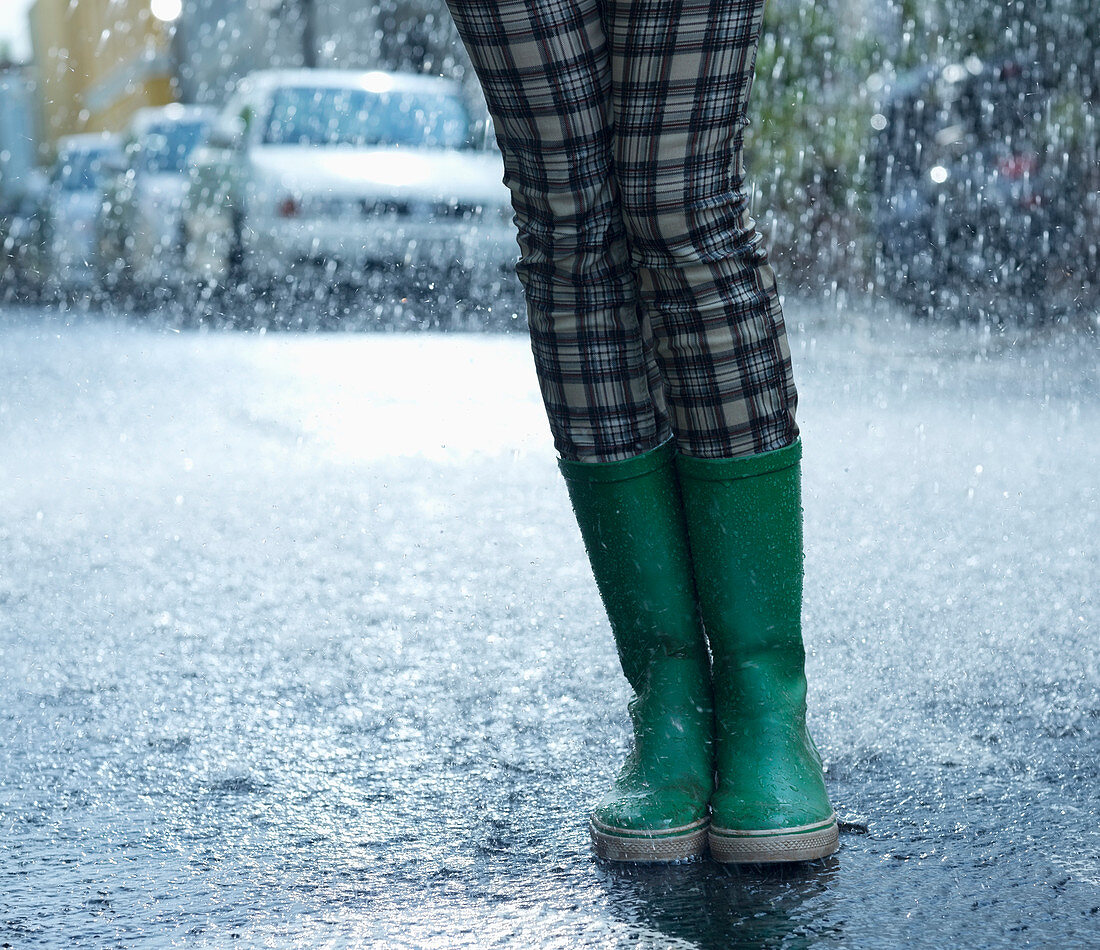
pixel 688 551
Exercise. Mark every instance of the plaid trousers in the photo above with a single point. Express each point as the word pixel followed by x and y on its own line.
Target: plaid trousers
pixel 652 308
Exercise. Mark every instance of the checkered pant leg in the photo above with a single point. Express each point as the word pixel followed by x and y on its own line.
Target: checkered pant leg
pixel 544 71
pixel 574 94
pixel 682 73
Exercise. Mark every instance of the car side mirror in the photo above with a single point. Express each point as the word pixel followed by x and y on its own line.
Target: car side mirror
pixel 228 133
pixel 114 165
pixel 488 137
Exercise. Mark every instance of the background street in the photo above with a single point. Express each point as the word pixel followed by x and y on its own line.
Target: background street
pixel 299 646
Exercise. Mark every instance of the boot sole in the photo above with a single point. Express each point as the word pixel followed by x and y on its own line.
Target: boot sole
pixel 801 843
pixel 667 845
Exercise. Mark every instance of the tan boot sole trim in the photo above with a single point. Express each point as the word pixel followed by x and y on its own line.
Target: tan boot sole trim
pixel 670 844
pixel 781 844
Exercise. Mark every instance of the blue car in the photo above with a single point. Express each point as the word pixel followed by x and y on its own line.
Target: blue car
pixel 986 192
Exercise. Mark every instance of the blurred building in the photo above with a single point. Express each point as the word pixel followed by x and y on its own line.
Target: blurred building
pixel 100 60
pixel 97 62
pixel 218 41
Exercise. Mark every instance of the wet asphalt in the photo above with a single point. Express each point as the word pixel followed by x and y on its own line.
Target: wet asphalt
pixel 299 648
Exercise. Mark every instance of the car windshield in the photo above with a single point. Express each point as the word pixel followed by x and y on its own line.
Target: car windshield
pixel 166 146
pixel 358 117
pixel 82 170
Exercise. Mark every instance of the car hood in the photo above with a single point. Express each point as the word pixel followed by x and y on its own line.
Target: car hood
pixel 167 189
pixel 433 175
pixel 76 206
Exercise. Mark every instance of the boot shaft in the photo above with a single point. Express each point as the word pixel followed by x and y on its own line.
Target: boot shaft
pixel 744 519
pixel 632 523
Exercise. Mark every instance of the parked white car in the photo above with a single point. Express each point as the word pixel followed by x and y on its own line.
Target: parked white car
pixel 141 230
pixel 72 207
pixel 344 171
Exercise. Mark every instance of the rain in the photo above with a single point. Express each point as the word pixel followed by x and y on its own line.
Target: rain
pixel 299 644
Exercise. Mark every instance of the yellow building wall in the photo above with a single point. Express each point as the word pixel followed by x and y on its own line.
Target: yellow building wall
pixel 98 62
pixel 50 22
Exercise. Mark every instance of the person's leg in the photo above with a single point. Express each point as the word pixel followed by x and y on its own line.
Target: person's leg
pixel 632 522
pixel 744 519
pixel 544 69
pixel 682 73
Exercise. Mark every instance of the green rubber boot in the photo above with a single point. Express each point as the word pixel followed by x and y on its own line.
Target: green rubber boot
pixel 631 519
pixel 745 523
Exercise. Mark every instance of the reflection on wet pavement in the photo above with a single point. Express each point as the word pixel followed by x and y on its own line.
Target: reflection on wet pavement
pixel 298 647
